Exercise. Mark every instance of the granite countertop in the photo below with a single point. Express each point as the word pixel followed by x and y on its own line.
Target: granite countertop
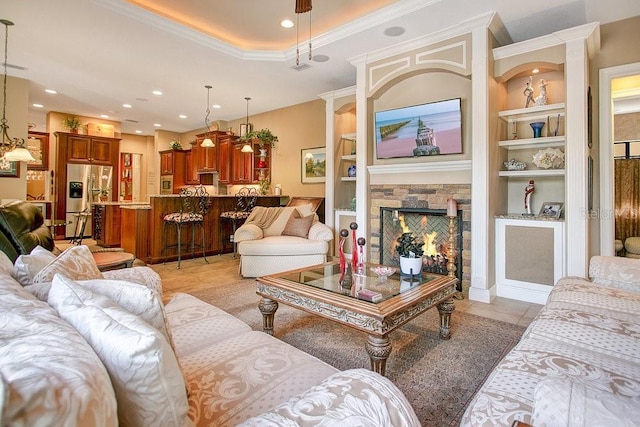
pixel 123 203
pixel 528 218
pixel 137 207
pixel 213 195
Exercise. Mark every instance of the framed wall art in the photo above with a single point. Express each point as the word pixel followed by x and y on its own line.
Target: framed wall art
pixel 13 171
pixel 313 165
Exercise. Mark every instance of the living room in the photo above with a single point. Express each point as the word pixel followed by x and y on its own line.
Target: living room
pixel 469 63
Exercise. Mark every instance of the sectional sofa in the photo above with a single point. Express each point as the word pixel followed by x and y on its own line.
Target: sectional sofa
pixel 79 347
pixel 578 363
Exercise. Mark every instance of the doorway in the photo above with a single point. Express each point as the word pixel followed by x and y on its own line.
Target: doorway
pixel 610 95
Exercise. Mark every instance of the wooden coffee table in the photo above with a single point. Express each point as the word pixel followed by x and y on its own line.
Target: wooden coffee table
pixel 318 290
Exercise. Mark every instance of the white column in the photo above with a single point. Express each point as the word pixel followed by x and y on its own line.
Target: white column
pixel 576 218
pixel 480 222
pixel 329 186
pixel 363 146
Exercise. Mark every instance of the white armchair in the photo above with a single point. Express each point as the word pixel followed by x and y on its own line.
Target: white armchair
pixel 277 239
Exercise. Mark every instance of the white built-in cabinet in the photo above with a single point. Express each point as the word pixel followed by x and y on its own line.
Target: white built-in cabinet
pixel 532 253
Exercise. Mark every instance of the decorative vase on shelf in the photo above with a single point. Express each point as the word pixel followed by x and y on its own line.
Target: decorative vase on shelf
pixel 263 152
pixel 537 129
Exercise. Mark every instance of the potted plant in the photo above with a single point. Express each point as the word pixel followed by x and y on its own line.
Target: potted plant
pixel 410 249
pixel 264 136
pixel 175 145
pixel 72 122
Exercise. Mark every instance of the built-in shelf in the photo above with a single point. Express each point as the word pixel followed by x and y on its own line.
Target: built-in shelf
pixel 533 173
pixel 528 143
pixel 348 136
pixel 350 157
pixel 348 178
pixel 531 113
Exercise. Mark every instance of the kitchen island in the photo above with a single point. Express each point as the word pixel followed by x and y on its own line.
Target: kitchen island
pixel 142 227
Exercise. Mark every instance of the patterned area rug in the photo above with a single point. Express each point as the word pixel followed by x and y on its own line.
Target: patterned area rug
pixel 438 377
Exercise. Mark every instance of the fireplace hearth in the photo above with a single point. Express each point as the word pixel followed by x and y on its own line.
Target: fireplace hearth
pixel 429 225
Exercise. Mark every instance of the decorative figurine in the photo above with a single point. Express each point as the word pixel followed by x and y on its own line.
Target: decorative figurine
pixel 354 248
pixel 360 267
pixel 528 94
pixel 529 189
pixel 541 99
pixel 344 233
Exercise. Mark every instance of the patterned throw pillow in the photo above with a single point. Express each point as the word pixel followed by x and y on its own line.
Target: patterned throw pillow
pixel 298 225
pixel 27 267
pixel 76 262
pixel 147 380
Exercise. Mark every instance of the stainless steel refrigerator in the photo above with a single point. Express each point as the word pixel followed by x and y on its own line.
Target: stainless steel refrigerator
pixel 85 184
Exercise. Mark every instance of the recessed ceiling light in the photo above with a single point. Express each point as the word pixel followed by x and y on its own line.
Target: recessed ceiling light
pixel 126 105
pixel 157 92
pixel 38 105
pixel 104 116
pixel 51 91
pixel 138 131
pixel 394 31
pixel 286 23
pixel 320 58
pixel 216 106
pixel 535 71
pixel 182 116
pixel 157 125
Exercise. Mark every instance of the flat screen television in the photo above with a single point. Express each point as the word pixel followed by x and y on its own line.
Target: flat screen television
pixel 430 129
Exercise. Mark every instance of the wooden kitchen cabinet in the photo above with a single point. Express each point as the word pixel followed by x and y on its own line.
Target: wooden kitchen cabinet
pixel 193 178
pixel 224 158
pixel 174 163
pixel 106 225
pixel 241 165
pixel 88 149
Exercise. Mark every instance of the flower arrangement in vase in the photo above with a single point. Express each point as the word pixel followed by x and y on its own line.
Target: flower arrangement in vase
pixel 72 122
pixel 264 136
pixel 175 145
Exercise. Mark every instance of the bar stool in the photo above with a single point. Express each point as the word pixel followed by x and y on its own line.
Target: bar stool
pixel 81 224
pixel 246 199
pixel 194 205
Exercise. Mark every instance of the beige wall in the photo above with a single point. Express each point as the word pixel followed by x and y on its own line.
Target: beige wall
pixel 17 118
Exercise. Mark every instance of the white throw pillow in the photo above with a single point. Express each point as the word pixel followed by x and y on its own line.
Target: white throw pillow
pixel 27 267
pixel 76 262
pixel 149 386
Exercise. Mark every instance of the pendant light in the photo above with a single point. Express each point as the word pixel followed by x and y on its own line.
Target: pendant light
pixel 11 149
pixel 302 6
pixel 247 148
pixel 207 143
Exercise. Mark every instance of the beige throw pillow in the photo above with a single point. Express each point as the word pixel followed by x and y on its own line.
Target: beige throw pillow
pixel 297 225
pixel 144 371
pixel 28 266
pixel 76 262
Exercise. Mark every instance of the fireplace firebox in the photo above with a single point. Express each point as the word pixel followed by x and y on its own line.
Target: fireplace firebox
pixel 429 225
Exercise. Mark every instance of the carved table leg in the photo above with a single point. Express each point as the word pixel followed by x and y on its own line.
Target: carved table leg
pixel 379 349
pixel 268 308
pixel 445 309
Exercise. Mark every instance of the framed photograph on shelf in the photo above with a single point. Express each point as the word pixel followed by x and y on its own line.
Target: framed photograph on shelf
pixel 313 165
pixel 551 209
pixel 13 171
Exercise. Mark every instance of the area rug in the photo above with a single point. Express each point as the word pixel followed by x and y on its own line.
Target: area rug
pixel 438 377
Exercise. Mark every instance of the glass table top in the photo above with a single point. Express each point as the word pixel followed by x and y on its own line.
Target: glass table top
pixel 367 286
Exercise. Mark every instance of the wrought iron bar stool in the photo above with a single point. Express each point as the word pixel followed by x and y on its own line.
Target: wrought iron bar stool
pixel 194 205
pixel 246 199
pixel 81 224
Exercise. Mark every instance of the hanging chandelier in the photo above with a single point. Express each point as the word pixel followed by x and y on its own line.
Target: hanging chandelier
pixel 11 149
pixel 302 6
pixel 207 143
pixel 247 148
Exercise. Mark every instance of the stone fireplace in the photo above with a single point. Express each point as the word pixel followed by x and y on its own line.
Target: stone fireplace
pixel 421 208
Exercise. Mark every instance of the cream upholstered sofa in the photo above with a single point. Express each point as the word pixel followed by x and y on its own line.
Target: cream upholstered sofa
pixel 578 363
pixel 277 239
pixel 101 349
